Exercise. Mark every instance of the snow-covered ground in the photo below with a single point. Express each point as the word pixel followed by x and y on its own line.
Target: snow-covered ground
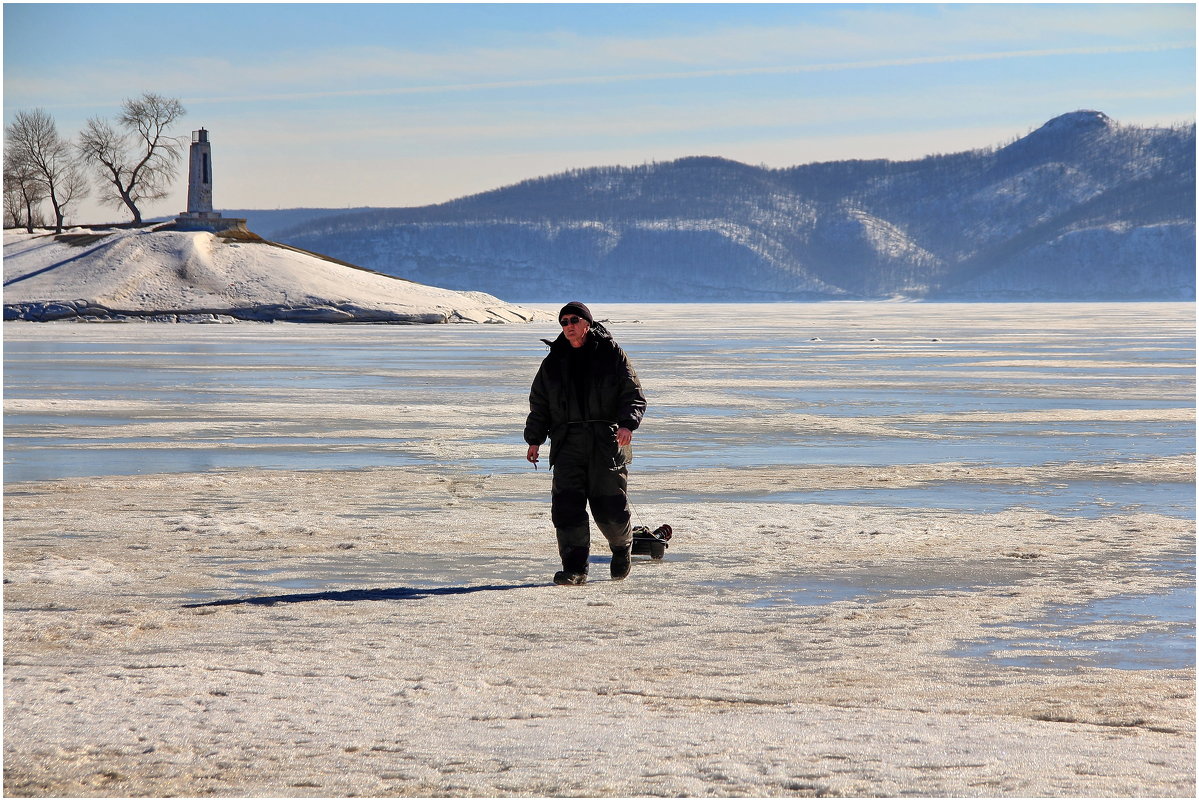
pixel 391 630
pixel 202 277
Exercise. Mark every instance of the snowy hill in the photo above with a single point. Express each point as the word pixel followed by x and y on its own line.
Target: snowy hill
pixel 167 275
pixel 1081 208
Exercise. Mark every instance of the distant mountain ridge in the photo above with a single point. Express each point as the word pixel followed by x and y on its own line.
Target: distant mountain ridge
pixel 1082 208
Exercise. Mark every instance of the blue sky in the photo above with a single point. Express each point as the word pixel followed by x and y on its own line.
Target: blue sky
pixel 406 104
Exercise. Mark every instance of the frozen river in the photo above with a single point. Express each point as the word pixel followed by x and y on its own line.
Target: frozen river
pixel 920 549
pixel 729 386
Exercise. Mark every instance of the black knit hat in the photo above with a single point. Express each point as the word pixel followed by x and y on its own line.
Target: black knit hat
pixel 575 307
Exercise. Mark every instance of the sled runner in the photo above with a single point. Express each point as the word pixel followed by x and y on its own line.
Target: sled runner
pixel 651 542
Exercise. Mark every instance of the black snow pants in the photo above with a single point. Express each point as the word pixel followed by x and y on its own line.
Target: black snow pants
pixel 589 468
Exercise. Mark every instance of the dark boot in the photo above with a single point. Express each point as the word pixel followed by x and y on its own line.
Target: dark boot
pixel 574 565
pixel 622 562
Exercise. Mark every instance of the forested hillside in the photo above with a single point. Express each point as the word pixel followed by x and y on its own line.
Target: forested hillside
pixel 1081 208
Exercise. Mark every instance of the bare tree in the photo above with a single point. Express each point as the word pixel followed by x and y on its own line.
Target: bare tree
pixel 14 205
pixel 71 185
pixel 34 140
pixel 139 161
pixel 23 192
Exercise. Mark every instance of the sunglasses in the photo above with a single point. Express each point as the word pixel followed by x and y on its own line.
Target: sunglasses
pixel 565 321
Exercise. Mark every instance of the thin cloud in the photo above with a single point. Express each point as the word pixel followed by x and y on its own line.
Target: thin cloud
pixel 534 83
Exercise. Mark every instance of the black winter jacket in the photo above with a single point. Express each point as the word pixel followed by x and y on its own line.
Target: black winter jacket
pixel 611 392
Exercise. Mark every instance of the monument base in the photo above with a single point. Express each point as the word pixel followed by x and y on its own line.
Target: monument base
pixel 208 221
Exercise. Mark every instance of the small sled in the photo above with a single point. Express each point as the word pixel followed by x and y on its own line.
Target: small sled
pixel 651 542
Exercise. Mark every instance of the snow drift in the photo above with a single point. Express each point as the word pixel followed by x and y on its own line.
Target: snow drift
pixel 165 275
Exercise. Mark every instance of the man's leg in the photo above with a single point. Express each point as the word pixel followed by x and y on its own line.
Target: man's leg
pixel 568 510
pixel 610 507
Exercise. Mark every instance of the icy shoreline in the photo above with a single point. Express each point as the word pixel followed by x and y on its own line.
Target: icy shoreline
pixel 413 673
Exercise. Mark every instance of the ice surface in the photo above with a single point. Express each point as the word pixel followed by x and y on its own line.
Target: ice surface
pixel 751 391
pixel 924 622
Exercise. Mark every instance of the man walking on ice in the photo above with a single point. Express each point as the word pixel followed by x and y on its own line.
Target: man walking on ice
pixel 586 398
